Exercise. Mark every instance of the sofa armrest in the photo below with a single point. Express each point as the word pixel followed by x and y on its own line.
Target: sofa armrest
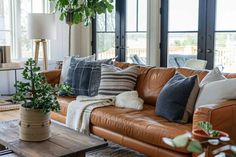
pixel 222 116
pixel 52 76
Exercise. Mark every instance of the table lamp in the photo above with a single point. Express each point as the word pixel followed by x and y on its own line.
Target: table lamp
pixel 41 27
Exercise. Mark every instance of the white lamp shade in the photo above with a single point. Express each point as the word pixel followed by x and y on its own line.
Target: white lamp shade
pixel 41 26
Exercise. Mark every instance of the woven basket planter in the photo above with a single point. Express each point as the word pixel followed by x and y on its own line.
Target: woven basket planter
pixel 34 125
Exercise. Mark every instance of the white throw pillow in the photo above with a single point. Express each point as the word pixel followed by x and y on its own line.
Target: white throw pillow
pixel 214 92
pixel 213 75
pixel 129 99
pixel 64 69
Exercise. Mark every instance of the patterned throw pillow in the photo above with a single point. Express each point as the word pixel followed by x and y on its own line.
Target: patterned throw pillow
pixel 175 96
pixel 115 80
pixel 73 62
pixel 86 78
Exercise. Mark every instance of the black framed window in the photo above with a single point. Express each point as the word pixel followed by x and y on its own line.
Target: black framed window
pixel 122 33
pixel 179 31
pixel 104 35
pixel 213 37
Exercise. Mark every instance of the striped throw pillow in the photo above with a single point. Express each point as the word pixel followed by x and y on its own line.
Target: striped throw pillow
pixel 115 80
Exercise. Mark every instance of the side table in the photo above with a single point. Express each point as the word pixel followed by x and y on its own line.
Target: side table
pixel 15 69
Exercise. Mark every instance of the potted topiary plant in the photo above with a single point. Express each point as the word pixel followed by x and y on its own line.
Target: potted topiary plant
pixel 38 99
pixel 77 11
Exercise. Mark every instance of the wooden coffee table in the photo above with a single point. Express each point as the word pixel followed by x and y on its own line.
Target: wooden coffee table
pixel 63 142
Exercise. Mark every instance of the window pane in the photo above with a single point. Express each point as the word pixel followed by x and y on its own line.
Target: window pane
pixel 142 15
pixel 37 6
pixel 5 38
pixel 181 47
pixel 26 49
pixel 183 15
pixel 100 22
pixel 131 15
pixel 105 45
pixel 111 19
pixel 225 15
pixel 25 9
pixel 26 46
pixel 5 15
pixel 225 56
pixel 136 48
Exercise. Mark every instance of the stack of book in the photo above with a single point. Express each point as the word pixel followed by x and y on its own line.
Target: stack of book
pixel 6 105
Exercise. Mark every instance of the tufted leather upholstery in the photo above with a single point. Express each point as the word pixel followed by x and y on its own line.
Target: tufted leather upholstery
pixel 143 130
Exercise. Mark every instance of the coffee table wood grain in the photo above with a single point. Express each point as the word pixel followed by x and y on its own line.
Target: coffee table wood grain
pixel 63 142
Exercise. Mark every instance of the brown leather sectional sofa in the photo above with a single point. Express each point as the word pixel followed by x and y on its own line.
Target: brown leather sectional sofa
pixel 143 130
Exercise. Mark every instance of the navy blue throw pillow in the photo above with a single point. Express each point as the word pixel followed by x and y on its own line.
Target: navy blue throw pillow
pixel 87 76
pixel 174 96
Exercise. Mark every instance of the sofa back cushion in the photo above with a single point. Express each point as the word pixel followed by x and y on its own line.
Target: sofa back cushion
pixel 190 72
pixel 154 81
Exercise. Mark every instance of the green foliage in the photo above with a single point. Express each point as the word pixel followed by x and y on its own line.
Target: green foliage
pixel 181 140
pixel 35 93
pixel 82 10
pixel 195 147
pixel 208 129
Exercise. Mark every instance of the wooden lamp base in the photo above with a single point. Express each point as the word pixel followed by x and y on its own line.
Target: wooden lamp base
pixel 36 54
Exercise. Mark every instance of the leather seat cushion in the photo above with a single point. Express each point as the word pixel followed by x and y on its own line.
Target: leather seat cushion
pixel 64 102
pixel 141 125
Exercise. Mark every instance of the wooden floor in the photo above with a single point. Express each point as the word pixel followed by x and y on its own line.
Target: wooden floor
pixel 9 115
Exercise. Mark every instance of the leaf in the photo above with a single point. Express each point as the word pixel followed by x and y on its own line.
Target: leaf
pixel 233 149
pixel 225 139
pixel 168 141
pixel 208 129
pixel 213 141
pixel 222 154
pixel 181 140
pixel 195 147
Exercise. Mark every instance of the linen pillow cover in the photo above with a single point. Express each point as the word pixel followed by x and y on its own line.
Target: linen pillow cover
pixel 115 80
pixel 86 77
pixel 214 92
pixel 174 97
pixel 73 62
pixel 65 68
pixel 213 75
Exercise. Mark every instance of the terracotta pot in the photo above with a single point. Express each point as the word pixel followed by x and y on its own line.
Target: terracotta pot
pixel 34 125
pixel 200 135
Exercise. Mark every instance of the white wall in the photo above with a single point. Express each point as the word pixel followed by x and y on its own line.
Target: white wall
pixel 154 32
pixel 81 38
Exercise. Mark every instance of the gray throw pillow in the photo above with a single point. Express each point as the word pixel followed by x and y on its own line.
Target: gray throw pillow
pixel 174 97
pixel 86 77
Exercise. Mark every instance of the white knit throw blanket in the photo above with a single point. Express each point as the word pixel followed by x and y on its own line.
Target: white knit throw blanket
pixel 79 111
